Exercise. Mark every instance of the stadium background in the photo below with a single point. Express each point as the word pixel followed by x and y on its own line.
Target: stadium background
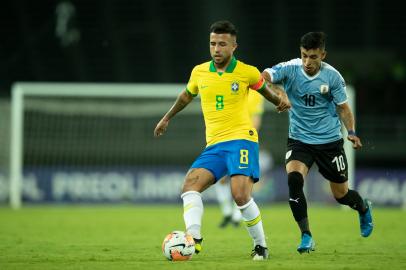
pixel 159 42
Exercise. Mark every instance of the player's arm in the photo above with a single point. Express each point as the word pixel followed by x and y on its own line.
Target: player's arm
pixel 346 116
pixel 183 99
pixel 275 91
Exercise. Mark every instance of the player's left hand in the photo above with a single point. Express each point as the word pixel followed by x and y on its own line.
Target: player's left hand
pixel 161 127
pixel 284 105
pixel 356 142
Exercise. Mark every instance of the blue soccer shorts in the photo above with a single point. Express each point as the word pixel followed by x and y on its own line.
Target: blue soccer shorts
pixel 230 158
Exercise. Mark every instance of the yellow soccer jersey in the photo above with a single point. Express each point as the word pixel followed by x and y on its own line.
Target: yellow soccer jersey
pixel 255 103
pixel 224 99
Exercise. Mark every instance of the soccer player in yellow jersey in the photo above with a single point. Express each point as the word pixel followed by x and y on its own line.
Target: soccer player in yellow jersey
pixel 232 143
pixel 230 211
pixel 255 108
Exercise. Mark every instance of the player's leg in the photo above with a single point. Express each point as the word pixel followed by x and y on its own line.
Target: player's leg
pixel 235 217
pixel 332 163
pixel 205 171
pixel 298 161
pixel 225 201
pixel 243 166
pixel 349 197
pixel 197 180
pixel 296 171
pixel 353 199
pixel 241 188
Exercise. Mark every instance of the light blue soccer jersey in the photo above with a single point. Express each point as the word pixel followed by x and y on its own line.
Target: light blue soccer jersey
pixel 313 117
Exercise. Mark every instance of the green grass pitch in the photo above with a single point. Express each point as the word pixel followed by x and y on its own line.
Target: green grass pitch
pixel 130 237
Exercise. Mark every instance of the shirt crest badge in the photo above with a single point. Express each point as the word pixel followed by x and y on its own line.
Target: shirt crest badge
pixel 235 86
pixel 324 88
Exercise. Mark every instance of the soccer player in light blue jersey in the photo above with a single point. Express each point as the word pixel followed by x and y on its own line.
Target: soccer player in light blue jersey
pixel 318 96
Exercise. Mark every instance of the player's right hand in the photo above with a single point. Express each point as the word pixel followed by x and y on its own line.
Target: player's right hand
pixel 161 127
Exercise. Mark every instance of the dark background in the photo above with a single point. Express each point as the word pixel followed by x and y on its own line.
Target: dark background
pixel 161 41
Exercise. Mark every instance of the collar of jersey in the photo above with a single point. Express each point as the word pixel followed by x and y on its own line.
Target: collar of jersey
pixel 311 77
pixel 230 68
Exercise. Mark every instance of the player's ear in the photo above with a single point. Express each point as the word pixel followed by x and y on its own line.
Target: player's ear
pixel 234 42
pixel 234 46
pixel 323 55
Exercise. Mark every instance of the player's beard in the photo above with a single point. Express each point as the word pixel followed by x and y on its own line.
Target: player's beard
pixel 221 63
pixel 312 70
pixel 309 71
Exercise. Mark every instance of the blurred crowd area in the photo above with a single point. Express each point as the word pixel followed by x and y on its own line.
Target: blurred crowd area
pixel 160 42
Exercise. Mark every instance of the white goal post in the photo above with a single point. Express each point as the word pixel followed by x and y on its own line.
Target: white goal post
pixel 349 151
pixel 20 91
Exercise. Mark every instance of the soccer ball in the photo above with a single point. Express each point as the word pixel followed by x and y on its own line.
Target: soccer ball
pixel 178 246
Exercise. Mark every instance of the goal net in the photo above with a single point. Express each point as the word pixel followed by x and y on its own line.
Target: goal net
pixel 94 142
pixel 96 127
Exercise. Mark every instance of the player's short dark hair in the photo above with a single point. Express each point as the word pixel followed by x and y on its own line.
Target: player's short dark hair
pixel 223 27
pixel 313 40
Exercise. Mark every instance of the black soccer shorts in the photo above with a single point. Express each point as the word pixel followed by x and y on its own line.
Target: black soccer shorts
pixel 329 157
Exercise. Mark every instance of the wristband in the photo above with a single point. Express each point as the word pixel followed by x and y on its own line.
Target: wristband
pixel 352 133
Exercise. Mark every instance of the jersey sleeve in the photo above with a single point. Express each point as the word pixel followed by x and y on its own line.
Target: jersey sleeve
pixel 192 86
pixel 281 71
pixel 256 82
pixel 338 90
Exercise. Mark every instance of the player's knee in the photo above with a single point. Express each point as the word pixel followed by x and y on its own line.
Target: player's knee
pixel 338 195
pixel 339 190
pixel 197 180
pixel 189 184
pixel 240 198
pixel 295 181
pixel 341 197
